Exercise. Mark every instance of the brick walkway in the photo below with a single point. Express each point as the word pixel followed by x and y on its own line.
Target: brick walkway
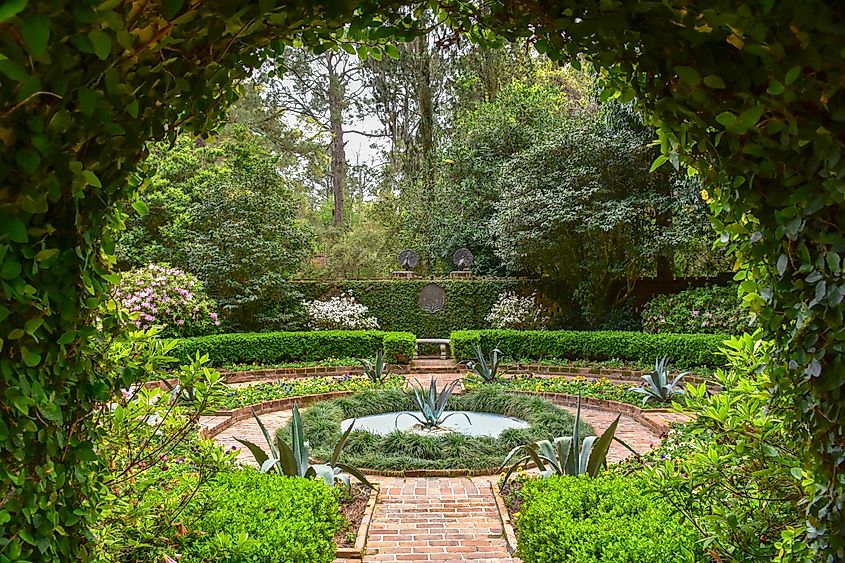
pixel 441 520
pixel 436 519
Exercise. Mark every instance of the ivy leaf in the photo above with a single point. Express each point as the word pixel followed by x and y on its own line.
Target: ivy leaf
pixel 141 207
pixel 101 41
pixel 11 8
pixel 15 229
pixel 392 52
pixel 36 34
pixel 658 162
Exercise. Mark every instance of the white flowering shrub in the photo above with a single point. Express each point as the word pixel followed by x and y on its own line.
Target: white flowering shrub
pixel 343 312
pixel 513 311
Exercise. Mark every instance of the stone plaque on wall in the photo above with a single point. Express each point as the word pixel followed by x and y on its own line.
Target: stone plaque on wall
pixel 432 298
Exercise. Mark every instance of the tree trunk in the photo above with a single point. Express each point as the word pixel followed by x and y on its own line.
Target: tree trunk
pixel 337 147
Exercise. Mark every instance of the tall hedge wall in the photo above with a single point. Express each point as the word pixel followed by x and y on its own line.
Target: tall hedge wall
pixel 274 347
pixel 395 303
pixel 683 350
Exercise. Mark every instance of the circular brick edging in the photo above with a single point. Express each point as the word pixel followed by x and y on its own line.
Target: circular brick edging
pixel 635 412
pixel 243 413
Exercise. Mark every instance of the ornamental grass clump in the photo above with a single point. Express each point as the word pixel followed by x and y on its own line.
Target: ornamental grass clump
pixel 342 312
pixel 159 295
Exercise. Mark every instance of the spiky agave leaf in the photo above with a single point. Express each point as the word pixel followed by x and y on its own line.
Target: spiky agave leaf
pixel 600 447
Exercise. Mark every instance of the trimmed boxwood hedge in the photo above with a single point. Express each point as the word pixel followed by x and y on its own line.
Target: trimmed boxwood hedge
pixel 272 347
pixel 400 451
pixel 249 516
pixel 683 350
pixel 395 303
pixel 607 519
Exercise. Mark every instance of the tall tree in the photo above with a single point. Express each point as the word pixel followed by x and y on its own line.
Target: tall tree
pixel 325 91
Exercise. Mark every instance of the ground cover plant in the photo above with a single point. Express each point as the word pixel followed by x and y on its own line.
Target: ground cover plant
pixel 605 519
pixel 403 450
pixel 234 398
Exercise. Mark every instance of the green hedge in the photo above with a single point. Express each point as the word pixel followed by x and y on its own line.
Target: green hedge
pixel 258 517
pixel 683 350
pixel 607 519
pixel 395 303
pixel 399 347
pixel 273 347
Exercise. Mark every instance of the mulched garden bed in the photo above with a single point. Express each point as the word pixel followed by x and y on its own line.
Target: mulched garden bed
pixel 353 505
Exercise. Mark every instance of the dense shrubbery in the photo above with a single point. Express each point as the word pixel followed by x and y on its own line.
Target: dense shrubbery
pixel 399 347
pixel 607 519
pixel 270 347
pixel 683 350
pixel 166 297
pixel 407 450
pixel 741 480
pixel 715 309
pixel 257 517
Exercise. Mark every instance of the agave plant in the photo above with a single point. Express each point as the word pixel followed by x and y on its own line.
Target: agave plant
pixel 488 372
pixel 375 370
pixel 658 386
pixel 432 404
pixel 566 455
pixel 294 461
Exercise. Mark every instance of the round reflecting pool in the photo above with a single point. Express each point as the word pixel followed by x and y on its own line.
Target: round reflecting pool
pixel 479 424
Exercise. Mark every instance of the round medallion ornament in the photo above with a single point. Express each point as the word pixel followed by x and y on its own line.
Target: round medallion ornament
pixel 432 298
pixel 463 259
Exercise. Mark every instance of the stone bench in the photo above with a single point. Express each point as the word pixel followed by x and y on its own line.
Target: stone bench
pixel 443 342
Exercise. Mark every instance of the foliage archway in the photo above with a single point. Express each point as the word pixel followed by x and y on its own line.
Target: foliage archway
pixel 749 95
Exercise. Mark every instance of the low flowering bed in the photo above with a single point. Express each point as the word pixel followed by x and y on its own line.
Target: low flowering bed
pixel 598 388
pixel 261 392
pixel 328 362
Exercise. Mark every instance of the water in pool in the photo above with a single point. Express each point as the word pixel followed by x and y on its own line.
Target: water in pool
pixel 480 423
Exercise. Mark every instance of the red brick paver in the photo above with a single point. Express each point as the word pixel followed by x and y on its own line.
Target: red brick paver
pixel 248 429
pixel 436 519
pixel 640 438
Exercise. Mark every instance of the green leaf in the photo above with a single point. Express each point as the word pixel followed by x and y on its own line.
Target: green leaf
pixel 751 116
pixel 91 179
pixel 775 88
pixel 46 254
pixel 101 41
pixel 15 229
pixel 141 207
pixel 392 51
pixel 726 118
pixel 28 160
pixel 792 75
pixel 688 75
pixel 796 472
pixel 658 162
pixel 14 70
pixel 30 357
pixel 87 100
pixel 713 81
pixel 171 8
pixel 132 108
pixel 36 34
pixel 11 8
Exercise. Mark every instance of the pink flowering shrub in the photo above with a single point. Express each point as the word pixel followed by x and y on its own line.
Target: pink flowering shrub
pixel 169 298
